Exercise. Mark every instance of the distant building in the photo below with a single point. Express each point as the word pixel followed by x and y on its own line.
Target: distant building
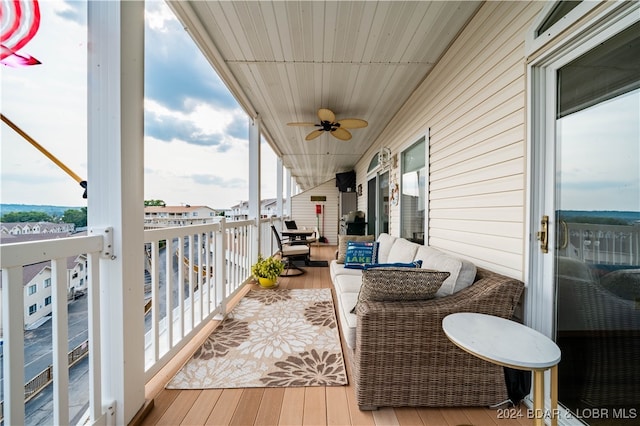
pixel 36 281
pixel 168 216
pixel 268 208
pixel 25 228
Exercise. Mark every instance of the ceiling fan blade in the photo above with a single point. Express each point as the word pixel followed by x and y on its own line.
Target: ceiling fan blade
pixel 342 134
pixel 313 135
pixel 352 123
pixel 302 124
pixel 326 115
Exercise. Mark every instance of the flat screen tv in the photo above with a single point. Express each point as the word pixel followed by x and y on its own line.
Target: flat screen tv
pixel 346 182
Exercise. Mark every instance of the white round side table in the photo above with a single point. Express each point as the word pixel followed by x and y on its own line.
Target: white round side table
pixel 509 344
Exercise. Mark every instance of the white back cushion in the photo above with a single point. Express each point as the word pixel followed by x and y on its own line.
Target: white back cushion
pixel 402 251
pixel 384 247
pixel 462 272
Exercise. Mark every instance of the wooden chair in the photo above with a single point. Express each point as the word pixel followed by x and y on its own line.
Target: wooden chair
pixel 290 253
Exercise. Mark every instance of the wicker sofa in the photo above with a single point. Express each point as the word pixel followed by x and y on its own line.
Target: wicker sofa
pixel 399 353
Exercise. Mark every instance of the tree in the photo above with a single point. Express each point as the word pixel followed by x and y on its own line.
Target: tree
pixel 77 217
pixel 160 203
pixel 32 216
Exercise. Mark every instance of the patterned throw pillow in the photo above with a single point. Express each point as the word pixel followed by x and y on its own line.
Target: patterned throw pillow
pixel 343 240
pixel 399 284
pixel 360 254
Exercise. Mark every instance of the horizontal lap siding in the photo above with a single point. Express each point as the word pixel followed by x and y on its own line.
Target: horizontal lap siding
pixel 303 210
pixel 474 103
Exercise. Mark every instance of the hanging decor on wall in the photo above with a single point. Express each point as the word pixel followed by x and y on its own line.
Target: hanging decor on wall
pixel 395 193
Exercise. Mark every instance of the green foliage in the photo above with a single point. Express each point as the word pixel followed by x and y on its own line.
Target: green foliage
pixel 596 220
pixel 32 216
pixel 269 268
pixel 77 217
pixel 160 203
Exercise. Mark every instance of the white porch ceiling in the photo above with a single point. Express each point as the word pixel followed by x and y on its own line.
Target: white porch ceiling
pixel 285 59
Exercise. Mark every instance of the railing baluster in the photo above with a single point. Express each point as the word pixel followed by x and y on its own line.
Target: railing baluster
pixel 181 285
pixel 191 286
pixel 95 360
pixel 60 336
pixel 169 291
pixel 13 350
pixel 155 300
pixel 201 269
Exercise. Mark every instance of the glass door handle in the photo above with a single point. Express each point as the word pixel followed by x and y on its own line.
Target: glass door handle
pixel 543 234
pixel 565 235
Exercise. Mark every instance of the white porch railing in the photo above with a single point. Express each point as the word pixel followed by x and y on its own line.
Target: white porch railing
pixel 194 271
pixel 601 244
pixel 12 259
pixel 201 268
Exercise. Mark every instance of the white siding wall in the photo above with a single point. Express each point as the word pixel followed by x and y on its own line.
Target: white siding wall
pixel 303 210
pixel 474 103
pixel 38 298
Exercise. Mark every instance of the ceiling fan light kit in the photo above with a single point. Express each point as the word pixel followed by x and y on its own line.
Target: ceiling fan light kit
pixel 328 123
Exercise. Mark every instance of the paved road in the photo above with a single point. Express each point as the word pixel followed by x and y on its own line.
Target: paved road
pixel 38 342
pixel 38 357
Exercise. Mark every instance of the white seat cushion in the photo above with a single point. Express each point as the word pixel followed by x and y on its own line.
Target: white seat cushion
pixel 336 269
pixel 348 320
pixel 295 250
pixel 348 284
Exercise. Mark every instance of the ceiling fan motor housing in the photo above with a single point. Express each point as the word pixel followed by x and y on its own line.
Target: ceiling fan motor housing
pixel 328 126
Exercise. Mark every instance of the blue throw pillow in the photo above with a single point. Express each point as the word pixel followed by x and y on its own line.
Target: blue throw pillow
pixel 360 253
pixel 414 264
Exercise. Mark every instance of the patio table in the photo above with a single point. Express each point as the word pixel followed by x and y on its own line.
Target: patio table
pixel 509 344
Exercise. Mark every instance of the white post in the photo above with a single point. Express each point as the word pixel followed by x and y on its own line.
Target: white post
pixel 288 192
pixel 254 184
pixel 116 194
pixel 279 187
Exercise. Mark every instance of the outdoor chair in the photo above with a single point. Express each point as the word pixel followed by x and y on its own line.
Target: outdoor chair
pixel 290 253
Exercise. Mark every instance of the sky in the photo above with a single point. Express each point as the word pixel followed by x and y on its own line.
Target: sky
pixel 196 134
pixel 599 166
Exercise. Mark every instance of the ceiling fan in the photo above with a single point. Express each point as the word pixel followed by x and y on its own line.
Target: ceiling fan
pixel 328 123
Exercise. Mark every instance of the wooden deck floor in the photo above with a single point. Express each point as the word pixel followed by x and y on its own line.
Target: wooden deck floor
pixel 293 406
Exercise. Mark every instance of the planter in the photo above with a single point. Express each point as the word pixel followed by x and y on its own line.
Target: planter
pixel 266 282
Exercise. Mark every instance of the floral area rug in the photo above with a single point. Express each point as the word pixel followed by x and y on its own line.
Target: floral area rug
pixel 272 338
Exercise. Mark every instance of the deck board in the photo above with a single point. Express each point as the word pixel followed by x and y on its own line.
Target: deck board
pixel 202 407
pixel 292 406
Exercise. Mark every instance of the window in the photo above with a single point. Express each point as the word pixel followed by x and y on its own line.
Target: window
pixel 47 283
pixel 373 164
pixel 32 289
pixel 559 11
pixel 47 301
pixel 33 309
pixel 413 198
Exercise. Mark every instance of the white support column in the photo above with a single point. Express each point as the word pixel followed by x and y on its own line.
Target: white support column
pixel 116 194
pixel 279 187
pixel 254 184
pixel 288 210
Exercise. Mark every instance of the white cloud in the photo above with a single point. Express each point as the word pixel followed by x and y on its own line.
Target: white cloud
pixel 49 102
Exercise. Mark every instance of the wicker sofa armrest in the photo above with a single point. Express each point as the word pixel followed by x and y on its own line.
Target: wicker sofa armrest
pixel 403 357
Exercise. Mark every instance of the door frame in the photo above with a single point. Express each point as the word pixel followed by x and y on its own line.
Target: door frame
pixel 540 304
